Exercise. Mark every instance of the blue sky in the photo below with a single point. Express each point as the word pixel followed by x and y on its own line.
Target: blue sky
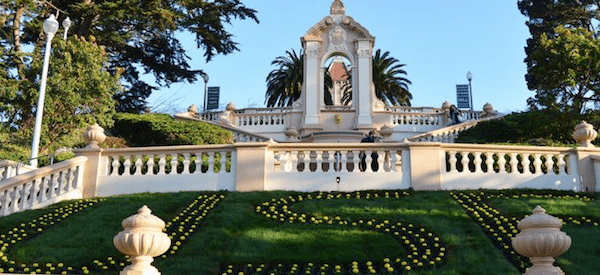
pixel 438 40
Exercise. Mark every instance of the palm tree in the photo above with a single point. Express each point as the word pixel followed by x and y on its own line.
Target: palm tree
pixel 284 84
pixel 391 86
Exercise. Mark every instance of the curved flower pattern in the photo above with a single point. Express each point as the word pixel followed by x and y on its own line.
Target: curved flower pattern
pixel 502 229
pixel 425 249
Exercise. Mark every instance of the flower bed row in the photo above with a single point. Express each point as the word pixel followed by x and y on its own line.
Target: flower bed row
pixel 425 250
pixel 501 228
pixel 32 229
pixel 179 230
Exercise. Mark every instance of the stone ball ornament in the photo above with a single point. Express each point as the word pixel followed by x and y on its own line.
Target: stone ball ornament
pixel 584 134
pixel 541 240
pixel 94 135
pixel 142 239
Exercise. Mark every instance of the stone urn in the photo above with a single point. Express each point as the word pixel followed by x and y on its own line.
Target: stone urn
pixel 584 134
pixel 230 107
pixel 386 131
pixel 193 110
pixel 142 239
pixel 291 133
pixel 541 240
pixel 94 135
pixel 488 108
pixel 446 105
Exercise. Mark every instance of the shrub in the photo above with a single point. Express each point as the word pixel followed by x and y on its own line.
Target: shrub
pixel 161 129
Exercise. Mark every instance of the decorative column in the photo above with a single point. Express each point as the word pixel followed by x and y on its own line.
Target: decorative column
pixel 363 94
pixel 312 78
pixel 96 164
pixel 584 134
pixel 541 240
pixel 142 239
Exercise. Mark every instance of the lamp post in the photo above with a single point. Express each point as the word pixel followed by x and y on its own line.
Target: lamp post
pixel 470 77
pixel 66 24
pixel 50 28
pixel 205 77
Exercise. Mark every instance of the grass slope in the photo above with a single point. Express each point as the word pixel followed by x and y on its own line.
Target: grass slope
pixel 288 232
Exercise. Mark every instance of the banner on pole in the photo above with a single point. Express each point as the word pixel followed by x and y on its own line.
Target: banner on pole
pixel 212 101
pixel 463 100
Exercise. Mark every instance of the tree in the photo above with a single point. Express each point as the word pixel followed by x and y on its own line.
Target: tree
pixel 562 55
pixel 391 86
pixel 79 92
pixel 139 35
pixel 284 84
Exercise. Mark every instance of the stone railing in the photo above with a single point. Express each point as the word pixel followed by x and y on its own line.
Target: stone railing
pixel 404 109
pixel 42 187
pixel 419 120
pixel 165 169
pixel 336 167
pixel 507 167
pixel 450 133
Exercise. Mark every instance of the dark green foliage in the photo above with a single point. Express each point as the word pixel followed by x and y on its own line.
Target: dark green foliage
pixel 536 127
pixel 391 86
pixel 161 129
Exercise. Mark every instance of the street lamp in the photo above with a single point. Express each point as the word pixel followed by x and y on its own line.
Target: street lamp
pixel 66 24
pixel 205 77
pixel 50 28
pixel 470 77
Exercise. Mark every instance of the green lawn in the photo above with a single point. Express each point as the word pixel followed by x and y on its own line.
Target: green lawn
pixel 382 232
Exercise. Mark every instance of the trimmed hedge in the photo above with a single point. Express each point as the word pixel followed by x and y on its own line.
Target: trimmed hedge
pixel 162 129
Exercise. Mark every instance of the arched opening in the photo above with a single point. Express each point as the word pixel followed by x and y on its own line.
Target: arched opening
pixel 338 81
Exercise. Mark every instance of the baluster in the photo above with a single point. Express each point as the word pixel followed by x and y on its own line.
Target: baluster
pixel 465 161
pixel 115 166
pixel 319 161
pixel 186 163
pixel 561 163
pixel 355 161
pixel 174 163
pixel 211 162
pixel 4 202
pixel 150 165
pixel 391 159
pixel 526 163
pixel 306 161
pixel 29 193
pixel 451 161
pixel 537 163
pixel 162 162
pixel 138 165
pixel 368 160
pixel 381 155
pixel 54 185
pixel 477 162
pixel 294 162
pixel 489 162
pixel 17 197
pixel 343 161
pixel 223 162
pixel 514 162
pixel 198 162
pixel 127 166
pixel 547 163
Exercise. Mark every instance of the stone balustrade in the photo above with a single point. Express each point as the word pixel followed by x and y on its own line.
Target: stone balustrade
pixel 42 187
pixel 506 167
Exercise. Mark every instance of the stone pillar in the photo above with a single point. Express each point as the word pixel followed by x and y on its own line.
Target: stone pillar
pixel 142 239
pixel 96 164
pixel 311 94
pixel 541 240
pixel 426 166
pixel 584 134
pixel 363 95
pixel 251 165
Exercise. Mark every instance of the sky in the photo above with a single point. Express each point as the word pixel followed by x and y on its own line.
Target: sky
pixel 438 40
